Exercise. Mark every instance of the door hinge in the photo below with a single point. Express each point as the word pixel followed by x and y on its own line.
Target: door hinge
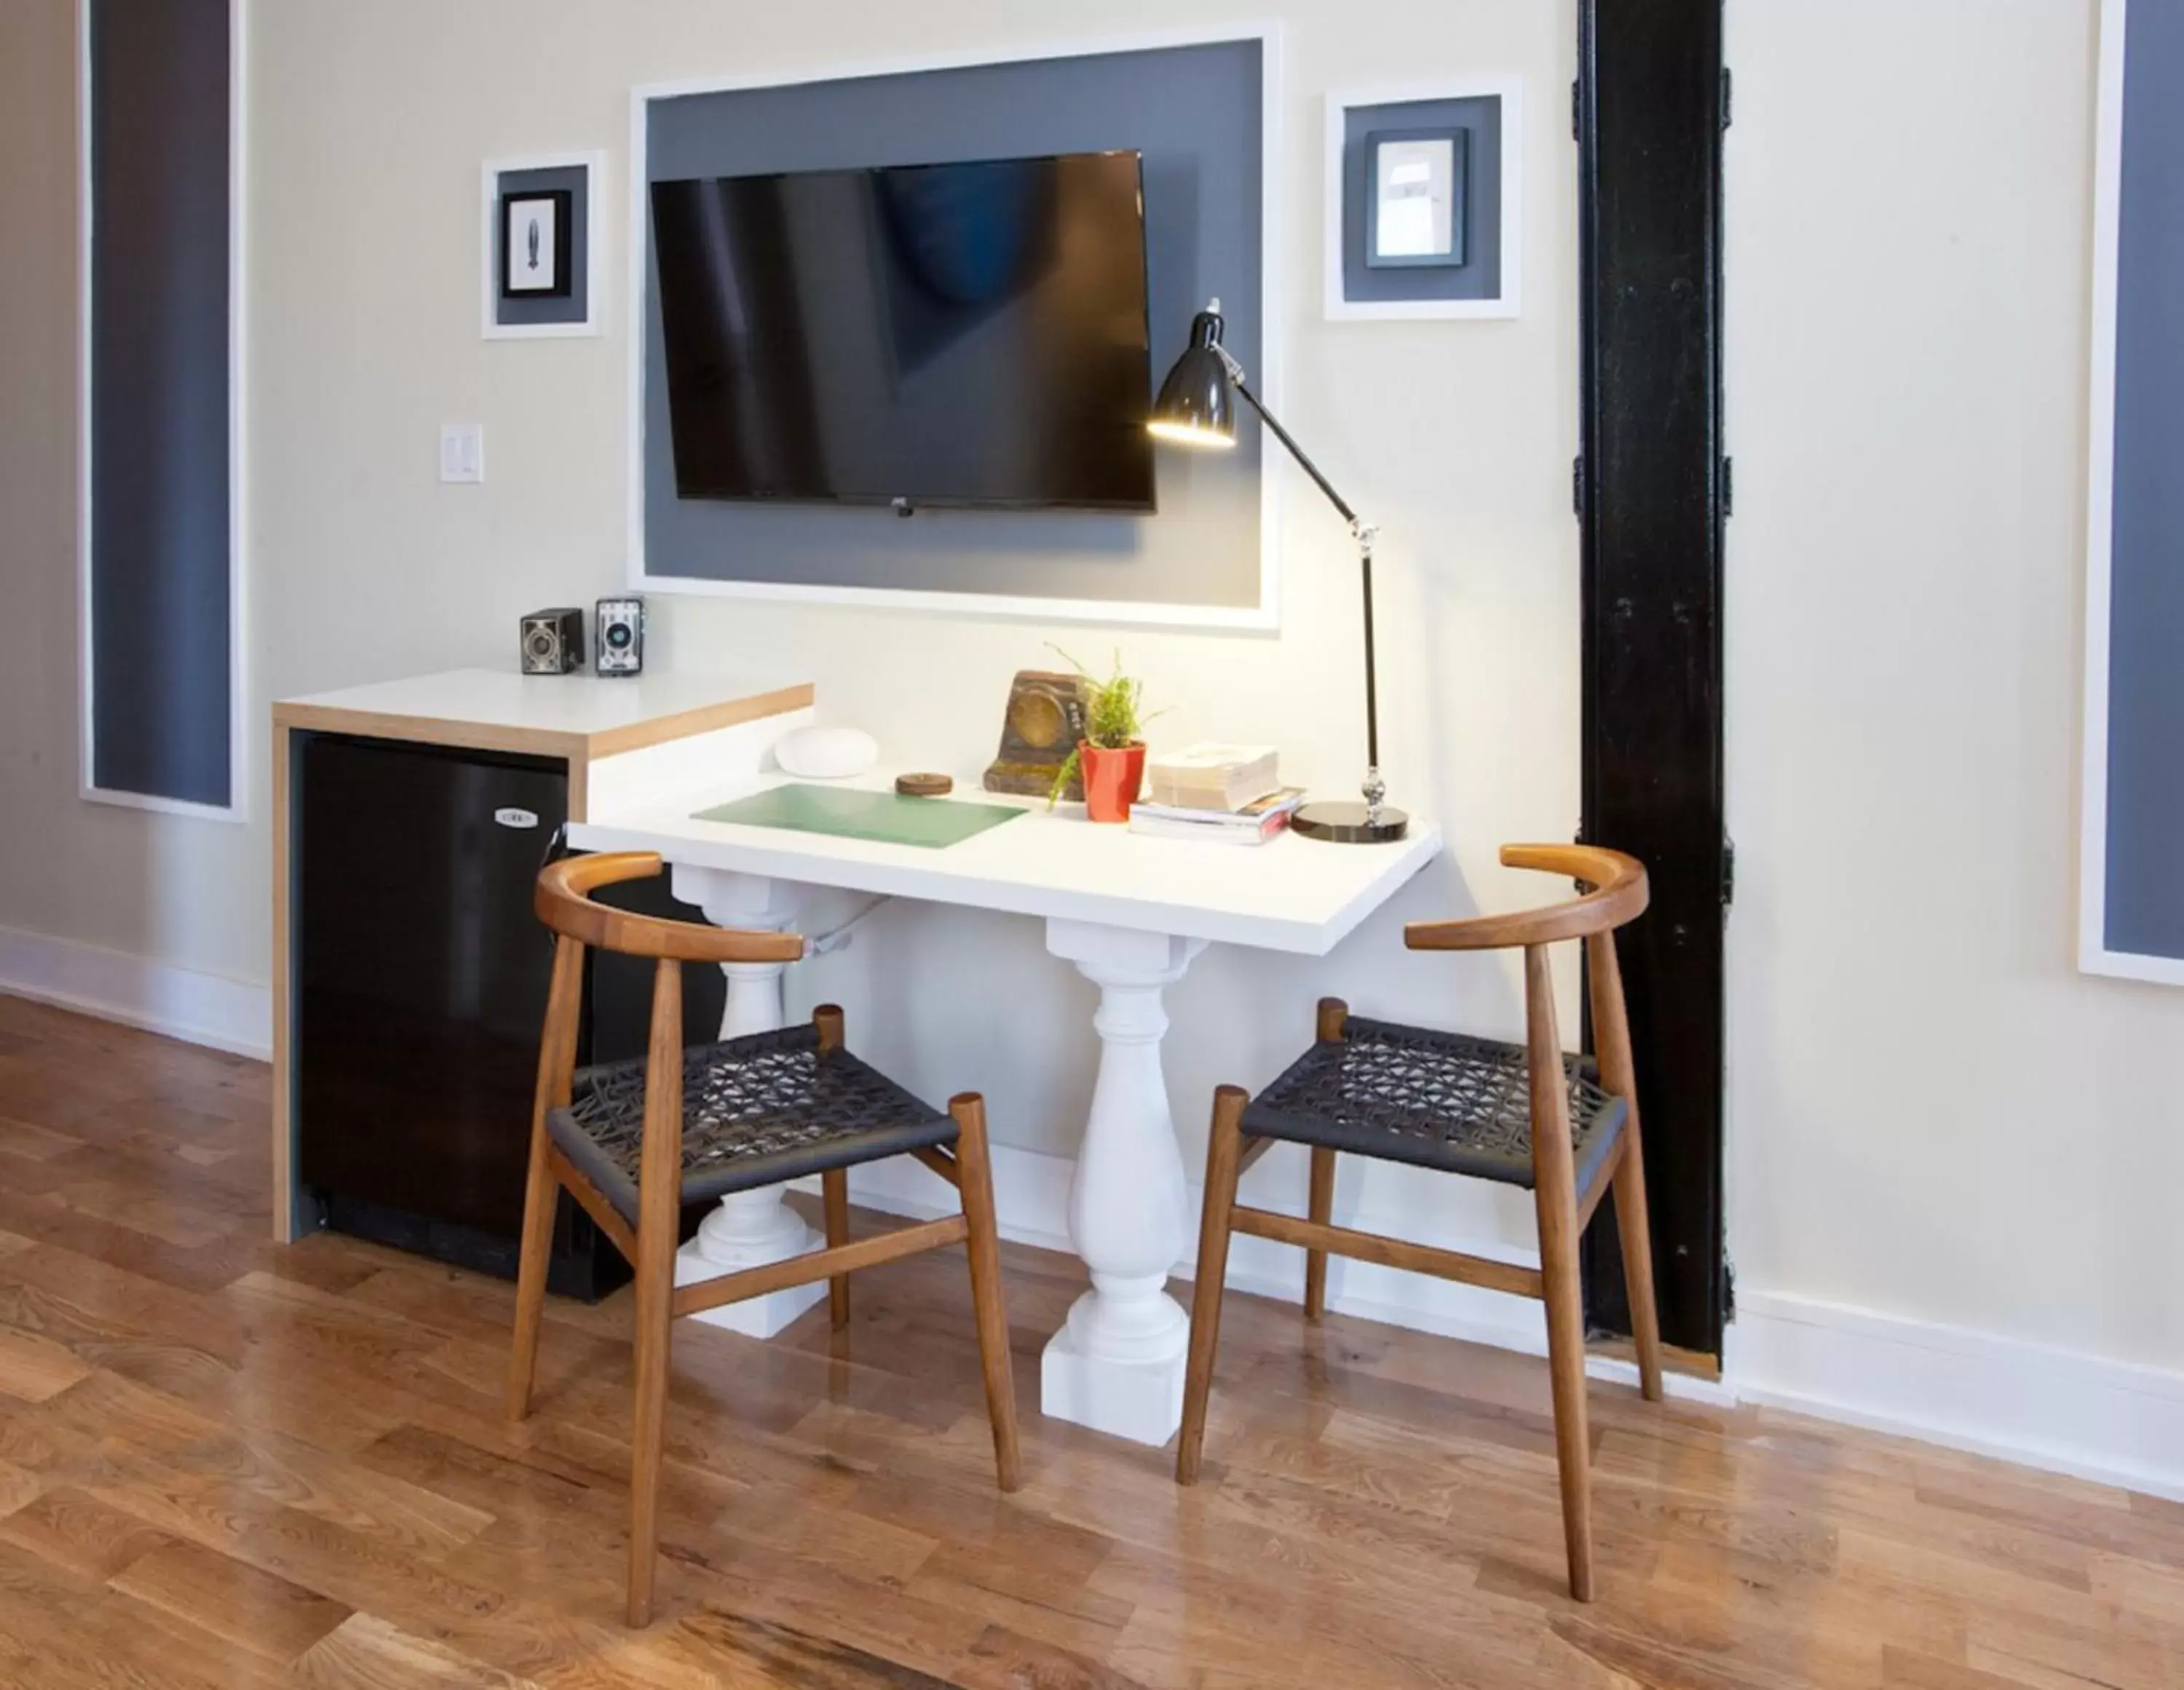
pixel 1727 1290
pixel 1728 872
pixel 1728 97
pixel 1729 486
pixel 1577 110
pixel 1577 488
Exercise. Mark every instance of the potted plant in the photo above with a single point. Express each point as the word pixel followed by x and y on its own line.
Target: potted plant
pixel 1112 756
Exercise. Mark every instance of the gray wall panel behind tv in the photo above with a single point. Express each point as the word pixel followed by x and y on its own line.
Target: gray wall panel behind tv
pixel 160 662
pixel 2145 901
pixel 1195 113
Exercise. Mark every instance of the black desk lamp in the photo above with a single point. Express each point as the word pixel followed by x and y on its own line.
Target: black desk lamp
pixel 1193 409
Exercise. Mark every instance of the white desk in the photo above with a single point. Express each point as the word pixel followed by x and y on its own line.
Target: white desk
pixel 1130 913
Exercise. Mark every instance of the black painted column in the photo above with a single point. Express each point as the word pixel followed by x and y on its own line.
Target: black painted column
pixel 1652 496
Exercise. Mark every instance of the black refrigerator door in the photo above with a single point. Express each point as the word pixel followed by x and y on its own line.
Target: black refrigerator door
pixel 420 973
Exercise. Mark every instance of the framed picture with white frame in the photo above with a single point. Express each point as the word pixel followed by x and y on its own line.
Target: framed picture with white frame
pixel 542 223
pixel 1425 201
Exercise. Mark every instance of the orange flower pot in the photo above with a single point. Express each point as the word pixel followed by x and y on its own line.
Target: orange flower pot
pixel 1112 777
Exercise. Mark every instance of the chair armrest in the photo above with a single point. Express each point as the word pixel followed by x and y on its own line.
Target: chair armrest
pixel 1617 893
pixel 563 903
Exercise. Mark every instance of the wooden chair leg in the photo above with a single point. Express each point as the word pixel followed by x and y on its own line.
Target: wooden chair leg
pixel 834 1188
pixel 1333 1017
pixel 1224 1147
pixel 1555 1195
pixel 1566 1366
pixel 659 1208
pixel 1636 1233
pixel 655 1289
pixel 542 1191
pixel 1611 1024
pixel 982 1245
pixel 541 1194
pixel 1321 1211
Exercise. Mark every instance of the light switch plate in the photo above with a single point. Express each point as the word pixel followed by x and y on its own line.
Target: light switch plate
pixel 462 451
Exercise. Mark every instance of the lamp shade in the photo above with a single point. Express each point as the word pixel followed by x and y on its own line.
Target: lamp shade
pixel 1193 408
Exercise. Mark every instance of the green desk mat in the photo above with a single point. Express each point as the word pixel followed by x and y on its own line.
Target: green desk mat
pixel 848 813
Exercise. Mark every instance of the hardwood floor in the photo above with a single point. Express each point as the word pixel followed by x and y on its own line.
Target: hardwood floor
pixel 225 1464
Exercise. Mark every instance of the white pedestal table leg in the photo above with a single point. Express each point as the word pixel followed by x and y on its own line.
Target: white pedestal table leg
pixel 1118 1363
pixel 749 1228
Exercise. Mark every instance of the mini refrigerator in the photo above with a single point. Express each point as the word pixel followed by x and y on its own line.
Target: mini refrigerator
pixel 420 982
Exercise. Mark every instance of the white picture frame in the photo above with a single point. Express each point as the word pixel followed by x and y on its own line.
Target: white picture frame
pixel 1508 303
pixel 588 256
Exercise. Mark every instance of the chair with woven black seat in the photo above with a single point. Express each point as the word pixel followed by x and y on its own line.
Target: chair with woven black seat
pixel 1524 1115
pixel 634 1141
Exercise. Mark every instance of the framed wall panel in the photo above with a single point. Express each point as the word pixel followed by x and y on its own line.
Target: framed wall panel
pixel 1489 281
pixel 1201 107
pixel 577 311
pixel 2131 896
pixel 160 211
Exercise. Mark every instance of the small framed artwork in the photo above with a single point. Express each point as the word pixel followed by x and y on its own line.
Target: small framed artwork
pixel 534 244
pixel 1424 202
pixel 542 224
pixel 1416 181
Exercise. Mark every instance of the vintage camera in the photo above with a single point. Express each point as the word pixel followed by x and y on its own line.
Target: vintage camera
pixel 620 624
pixel 554 642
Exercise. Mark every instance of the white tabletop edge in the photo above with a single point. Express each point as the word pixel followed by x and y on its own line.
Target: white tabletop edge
pixel 942 877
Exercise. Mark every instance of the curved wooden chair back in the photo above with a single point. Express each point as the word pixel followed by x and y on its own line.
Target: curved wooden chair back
pixel 564 903
pixel 1615 894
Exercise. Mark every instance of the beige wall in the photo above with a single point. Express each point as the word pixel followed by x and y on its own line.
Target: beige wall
pixel 1932 1114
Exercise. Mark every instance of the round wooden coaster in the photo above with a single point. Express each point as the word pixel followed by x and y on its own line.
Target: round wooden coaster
pixel 924 786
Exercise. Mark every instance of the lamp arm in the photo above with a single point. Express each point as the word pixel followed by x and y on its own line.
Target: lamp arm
pixel 1375 789
pixel 1295 450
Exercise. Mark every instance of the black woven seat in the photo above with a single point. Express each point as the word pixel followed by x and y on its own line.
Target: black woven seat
pixel 1434 1099
pixel 756 1110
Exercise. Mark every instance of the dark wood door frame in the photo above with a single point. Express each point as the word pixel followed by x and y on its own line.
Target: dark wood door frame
pixel 1652 491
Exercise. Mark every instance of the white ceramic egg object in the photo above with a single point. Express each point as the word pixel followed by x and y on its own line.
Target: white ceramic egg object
pixel 827 754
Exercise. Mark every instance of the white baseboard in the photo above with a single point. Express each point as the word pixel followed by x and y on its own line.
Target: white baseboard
pixel 2060 1410
pixel 202 1008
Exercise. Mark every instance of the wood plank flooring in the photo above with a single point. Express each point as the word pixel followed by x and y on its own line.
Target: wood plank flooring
pixel 225 1464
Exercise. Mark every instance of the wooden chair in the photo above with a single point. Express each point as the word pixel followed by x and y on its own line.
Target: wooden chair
pixel 634 1141
pixel 1524 1115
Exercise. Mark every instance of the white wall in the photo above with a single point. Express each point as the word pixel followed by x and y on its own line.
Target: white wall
pixel 1932 1115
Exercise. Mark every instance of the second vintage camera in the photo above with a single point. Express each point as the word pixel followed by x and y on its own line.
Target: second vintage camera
pixel 619 624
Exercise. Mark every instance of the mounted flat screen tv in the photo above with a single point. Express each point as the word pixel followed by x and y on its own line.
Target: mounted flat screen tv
pixel 968 335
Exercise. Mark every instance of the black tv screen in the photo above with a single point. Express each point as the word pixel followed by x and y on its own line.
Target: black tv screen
pixel 940 334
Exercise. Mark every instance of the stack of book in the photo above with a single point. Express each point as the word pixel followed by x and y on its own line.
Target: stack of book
pixel 1225 794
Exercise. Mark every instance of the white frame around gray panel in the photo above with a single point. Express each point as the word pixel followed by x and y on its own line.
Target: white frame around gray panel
pixel 1510 301
pixel 236 808
pixel 1264 616
pixel 2094 955
pixel 593 164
